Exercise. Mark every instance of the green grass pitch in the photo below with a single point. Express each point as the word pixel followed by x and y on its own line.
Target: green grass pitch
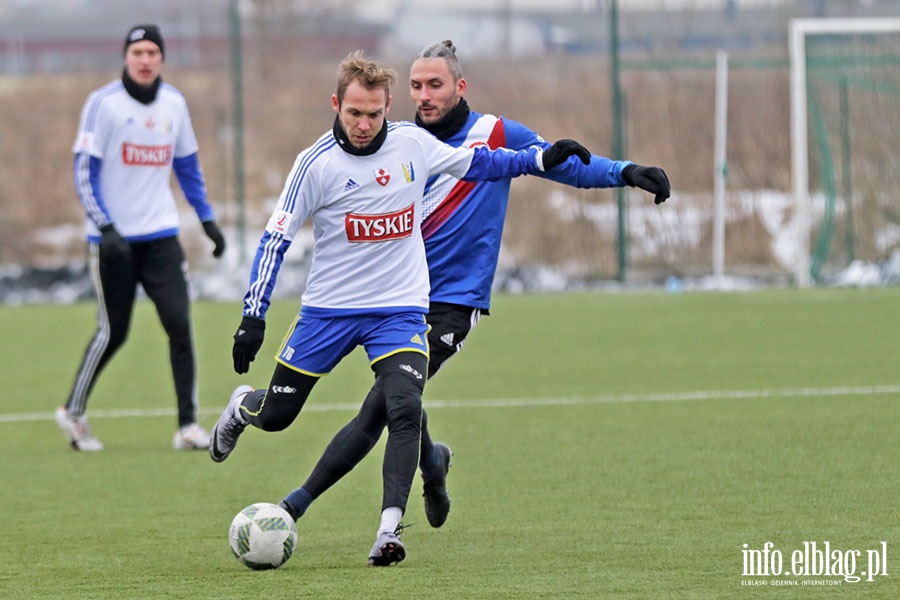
pixel 607 445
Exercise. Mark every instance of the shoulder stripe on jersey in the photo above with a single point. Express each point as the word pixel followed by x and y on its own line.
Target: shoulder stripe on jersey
pixel 392 125
pixel 82 164
pixel 171 88
pixel 460 191
pixel 99 96
pixel 325 143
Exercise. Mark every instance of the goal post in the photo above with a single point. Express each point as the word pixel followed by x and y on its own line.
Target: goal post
pixel 834 34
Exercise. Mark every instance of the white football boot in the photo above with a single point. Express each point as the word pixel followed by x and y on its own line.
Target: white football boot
pixel 388 549
pixel 229 427
pixel 77 431
pixel 191 437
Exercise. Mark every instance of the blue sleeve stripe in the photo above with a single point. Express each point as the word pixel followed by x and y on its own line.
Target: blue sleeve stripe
pixel 272 246
pixel 97 100
pixel 266 264
pixel 325 143
pixel 87 185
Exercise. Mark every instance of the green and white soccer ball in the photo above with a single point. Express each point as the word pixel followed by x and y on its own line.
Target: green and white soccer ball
pixel 263 536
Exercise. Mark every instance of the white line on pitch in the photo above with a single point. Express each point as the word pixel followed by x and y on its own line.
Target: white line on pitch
pixel 875 390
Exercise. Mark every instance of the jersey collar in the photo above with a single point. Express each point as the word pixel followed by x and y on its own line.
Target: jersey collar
pixel 344 142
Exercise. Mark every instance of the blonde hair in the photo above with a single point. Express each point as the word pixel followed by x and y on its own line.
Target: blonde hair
pixel 369 73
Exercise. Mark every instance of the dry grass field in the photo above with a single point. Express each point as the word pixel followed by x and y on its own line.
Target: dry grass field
pixel 669 122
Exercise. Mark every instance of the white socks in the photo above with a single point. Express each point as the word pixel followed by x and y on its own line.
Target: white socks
pixel 390 519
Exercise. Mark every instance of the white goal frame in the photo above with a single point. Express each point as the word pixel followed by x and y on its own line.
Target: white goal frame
pixel 799 30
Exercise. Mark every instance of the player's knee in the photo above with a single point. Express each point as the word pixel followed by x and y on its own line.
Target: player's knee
pixel 403 399
pixel 402 379
pixel 179 330
pixel 117 337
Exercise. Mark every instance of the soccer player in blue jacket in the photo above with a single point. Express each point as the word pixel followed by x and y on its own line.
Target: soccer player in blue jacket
pixel 463 223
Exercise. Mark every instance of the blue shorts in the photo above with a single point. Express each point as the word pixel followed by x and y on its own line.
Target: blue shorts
pixel 315 345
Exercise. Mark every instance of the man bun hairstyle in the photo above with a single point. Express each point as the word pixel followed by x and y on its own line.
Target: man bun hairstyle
pixel 139 33
pixel 447 51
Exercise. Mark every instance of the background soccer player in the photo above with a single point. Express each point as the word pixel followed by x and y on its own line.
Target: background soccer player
pixel 133 132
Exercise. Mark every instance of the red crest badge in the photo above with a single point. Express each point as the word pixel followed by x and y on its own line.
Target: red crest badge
pixel 382 176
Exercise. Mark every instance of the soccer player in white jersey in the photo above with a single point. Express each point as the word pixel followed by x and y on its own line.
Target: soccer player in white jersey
pixel 362 185
pixel 133 133
pixel 462 227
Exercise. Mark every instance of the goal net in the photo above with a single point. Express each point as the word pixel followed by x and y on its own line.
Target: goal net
pixel 845 142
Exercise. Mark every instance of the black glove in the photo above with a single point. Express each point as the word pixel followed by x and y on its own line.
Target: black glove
pixel 112 244
pixel 247 340
pixel 212 232
pixel 559 152
pixel 649 179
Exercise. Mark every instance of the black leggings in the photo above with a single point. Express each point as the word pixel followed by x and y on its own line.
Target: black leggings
pixel 159 267
pixel 450 325
pixel 276 407
pixel 394 401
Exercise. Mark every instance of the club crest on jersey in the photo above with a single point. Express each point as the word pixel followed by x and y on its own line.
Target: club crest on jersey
pixel 380 228
pixel 382 176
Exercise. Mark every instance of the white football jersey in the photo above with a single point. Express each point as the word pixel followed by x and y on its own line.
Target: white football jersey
pixel 366 214
pixel 136 143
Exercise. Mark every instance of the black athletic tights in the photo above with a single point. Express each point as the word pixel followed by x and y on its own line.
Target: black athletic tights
pixel 160 268
pixel 394 401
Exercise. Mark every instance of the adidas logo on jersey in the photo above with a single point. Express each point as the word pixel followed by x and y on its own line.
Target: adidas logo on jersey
pixel 447 338
pixel 351 185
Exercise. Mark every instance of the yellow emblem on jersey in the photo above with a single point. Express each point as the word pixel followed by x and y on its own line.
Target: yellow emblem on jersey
pixel 408 172
pixel 416 339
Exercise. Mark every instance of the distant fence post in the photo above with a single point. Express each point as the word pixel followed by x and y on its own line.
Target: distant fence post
pixel 618 153
pixel 720 164
pixel 237 121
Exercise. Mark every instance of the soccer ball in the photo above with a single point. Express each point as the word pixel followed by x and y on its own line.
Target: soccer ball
pixel 263 536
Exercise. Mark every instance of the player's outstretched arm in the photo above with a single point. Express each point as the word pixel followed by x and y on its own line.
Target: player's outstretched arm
pixel 649 179
pixel 503 163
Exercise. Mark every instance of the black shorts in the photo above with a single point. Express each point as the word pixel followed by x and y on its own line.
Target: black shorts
pixel 450 324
